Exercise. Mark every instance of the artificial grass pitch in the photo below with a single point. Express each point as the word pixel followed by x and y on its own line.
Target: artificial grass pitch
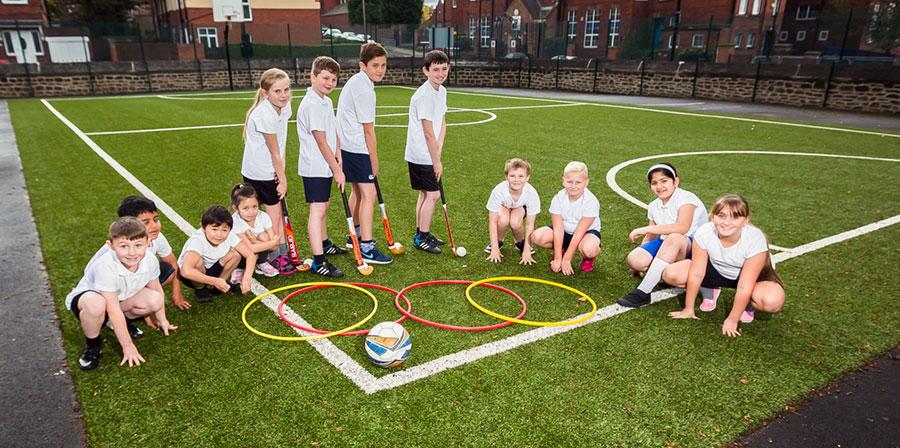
pixel 639 378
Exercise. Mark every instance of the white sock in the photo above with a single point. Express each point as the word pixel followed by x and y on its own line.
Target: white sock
pixel 706 293
pixel 654 273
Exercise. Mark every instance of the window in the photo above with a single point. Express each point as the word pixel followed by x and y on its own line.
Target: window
pixel 801 35
pixel 14 2
pixel 248 13
pixel 472 28
pixel 751 39
pixel 807 12
pixel 697 40
pixel 823 35
pixel 591 28
pixel 613 27
pixel 485 32
pixel 573 24
pixel 454 3
pixel 783 36
pixel 23 34
pixel 671 38
pixel 738 36
pixel 742 8
pixel 755 9
pixel 208 37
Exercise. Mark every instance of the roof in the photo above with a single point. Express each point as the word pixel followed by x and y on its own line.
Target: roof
pixel 336 11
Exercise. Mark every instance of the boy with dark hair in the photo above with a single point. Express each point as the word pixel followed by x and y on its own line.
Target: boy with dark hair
pixel 425 143
pixel 320 160
pixel 212 253
pixel 120 282
pixel 359 153
pixel 145 210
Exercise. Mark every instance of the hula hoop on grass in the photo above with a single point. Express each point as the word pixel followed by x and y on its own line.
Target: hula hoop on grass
pixel 528 322
pixel 307 338
pixel 348 333
pixel 454 327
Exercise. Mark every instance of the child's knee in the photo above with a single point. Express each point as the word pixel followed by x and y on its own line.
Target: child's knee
pixel 590 249
pixel 639 259
pixel 432 196
pixel 91 305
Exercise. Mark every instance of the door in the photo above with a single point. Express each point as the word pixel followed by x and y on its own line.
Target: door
pixel 23 44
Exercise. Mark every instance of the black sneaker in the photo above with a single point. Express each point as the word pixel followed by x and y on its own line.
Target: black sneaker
pixel 426 244
pixel 235 288
pixel 333 249
pixel 635 299
pixel 521 246
pixel 326 269
pixel 90 358
pixel 202 295
pixel 487 249
pixel 436 241
pixel 133 331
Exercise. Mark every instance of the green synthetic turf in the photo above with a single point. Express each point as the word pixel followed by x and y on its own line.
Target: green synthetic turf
pixel 639 378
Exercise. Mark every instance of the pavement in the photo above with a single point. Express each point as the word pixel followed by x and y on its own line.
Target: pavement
pixel 38 398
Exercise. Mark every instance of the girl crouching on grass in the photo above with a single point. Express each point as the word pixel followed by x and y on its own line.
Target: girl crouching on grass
pixel 729 253
pixel 254 227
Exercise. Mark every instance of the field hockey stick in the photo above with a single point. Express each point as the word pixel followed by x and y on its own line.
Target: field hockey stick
pixel 361 265
pixel 289 239
pixel 394 246
pixel 462 252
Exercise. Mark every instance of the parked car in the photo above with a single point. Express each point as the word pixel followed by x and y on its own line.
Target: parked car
pixel 333 32
pixel 563 56
pixel 515 56
pixel 349 35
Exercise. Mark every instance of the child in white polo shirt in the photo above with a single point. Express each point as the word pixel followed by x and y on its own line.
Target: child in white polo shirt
pixel 512 202
pixel 359 150
pixel 265 138
pixel 320 160
pixel 425 144
pixel 674 217
pixel 575 214
pixel 212 253
pixel 120 282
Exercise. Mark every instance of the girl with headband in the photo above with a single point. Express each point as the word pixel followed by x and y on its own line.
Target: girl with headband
pixel 674 217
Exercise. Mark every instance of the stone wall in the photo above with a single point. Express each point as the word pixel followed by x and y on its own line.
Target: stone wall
pixel 858 88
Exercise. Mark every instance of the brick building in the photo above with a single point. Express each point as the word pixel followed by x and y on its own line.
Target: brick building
pixel 22 25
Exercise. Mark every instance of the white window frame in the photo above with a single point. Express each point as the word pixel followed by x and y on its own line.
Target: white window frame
pixel 14 2
pixel 823 35
pixel 572 25
pixel 806 12
pixel 751 40
pixel 248 11
pixel 754 10
pixel 671 38
pixel 614 22
pixel 694 42
pixel 591 28
pixel 801 35
pixel 742 8
pixel 473 29
pixel 784 36
pixel 203 33
pixel 10 34
pixel 737 38
pixel 454 4
pixel 484 32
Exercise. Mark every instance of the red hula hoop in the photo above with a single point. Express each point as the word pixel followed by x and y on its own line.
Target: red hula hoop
pixel 349 333
pixel 407 313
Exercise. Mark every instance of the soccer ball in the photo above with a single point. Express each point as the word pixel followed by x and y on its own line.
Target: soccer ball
pixel 388 344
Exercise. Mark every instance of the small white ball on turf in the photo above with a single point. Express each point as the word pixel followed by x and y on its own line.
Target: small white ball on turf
pixel 460 251
pixel 388 344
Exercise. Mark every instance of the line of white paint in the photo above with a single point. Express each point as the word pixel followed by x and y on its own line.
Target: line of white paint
pixel 494 95
pixel 815 245
pixel 329 351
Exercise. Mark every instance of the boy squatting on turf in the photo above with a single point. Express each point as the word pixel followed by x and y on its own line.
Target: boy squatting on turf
pixel 120 282
pixel 512 202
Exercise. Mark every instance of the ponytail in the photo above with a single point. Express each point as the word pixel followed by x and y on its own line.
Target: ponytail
pixel 265 83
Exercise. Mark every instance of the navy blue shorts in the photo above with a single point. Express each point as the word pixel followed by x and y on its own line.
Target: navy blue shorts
pixel 317 189
pixel 567 237
pixel 213 271
pixel 77 312
pixel 653 246
pixel 357 167
pixel 165 271
pixel 713 279
pixel 421 177
pixel 265 190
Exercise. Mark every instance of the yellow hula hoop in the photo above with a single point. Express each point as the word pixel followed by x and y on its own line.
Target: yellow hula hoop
pixel 308 338
pixel 529 322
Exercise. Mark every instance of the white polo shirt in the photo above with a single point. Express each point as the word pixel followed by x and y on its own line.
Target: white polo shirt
pixel 105 273
pixel 729 260
pixel 587 206
pixel 315 113
pixel 211 254
pixel 356 105
pixel 668 213
pixel 257 162
pixel 426 104
pixel 160 246
pixel 262 223
pixel 500 197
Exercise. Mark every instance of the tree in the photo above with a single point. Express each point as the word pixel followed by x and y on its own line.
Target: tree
pixel 105 10
pixel 386 12
pixel 884 28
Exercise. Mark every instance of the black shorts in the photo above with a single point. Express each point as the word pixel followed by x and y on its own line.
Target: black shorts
pixel 567 237
pixel 213 271
pixel 317 189
pixel 713 279
pixel 421 177
pixel 357 167
pixel 266 190
pixel 165 271
pixel 77 312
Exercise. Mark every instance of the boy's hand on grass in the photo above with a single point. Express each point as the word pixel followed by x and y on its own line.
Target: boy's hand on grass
pixel 555 265
pixel 220 284
pixel 527 258
pixel 730 328
pixel 567 268
pixel 245 284
pixel 179 302
pixel 495 256
pixel 131 356
pixel 165 326
pixel 151 321
pixel 683 314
